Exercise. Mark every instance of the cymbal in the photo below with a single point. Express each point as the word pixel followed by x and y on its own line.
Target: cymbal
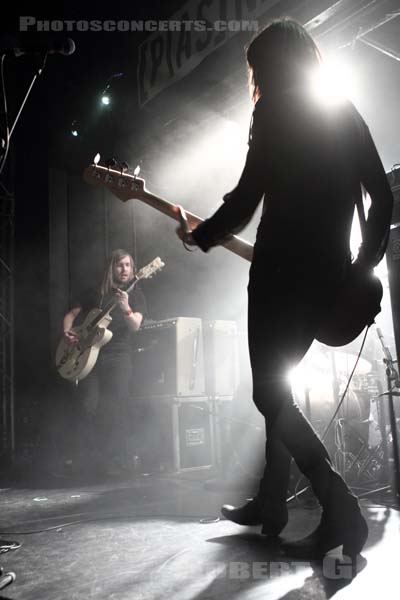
pixel 345 362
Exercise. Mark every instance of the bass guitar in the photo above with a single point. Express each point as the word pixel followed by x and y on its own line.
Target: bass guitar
pixel 129 187
pixel 75 361
pixel 357 302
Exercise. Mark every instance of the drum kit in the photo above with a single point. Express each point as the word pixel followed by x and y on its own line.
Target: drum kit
pixel 359 436
pixel 359 439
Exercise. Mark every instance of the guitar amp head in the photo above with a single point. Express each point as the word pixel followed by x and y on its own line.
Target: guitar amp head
pixel 168 359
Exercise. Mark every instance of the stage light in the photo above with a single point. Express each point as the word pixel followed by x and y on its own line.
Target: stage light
pixel 74 129
pixel 310 373
pixel 106 97
pixel 333 82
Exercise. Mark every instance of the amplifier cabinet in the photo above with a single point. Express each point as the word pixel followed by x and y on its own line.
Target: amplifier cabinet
pixel 221 351
pixel 394 182
pixel 176 434
pixel 192 431
pixel 393 263
pixel 168 359
pixel 393 256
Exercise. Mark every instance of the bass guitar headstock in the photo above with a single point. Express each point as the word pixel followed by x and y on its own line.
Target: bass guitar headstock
pixel 123 185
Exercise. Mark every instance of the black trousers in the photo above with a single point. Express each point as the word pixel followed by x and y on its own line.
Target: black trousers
pixel 104 396
pixel 285 310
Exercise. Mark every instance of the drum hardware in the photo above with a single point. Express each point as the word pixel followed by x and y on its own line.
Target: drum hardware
pixel 344 363
pixel 349 441
pixel 389 434
pixel 363 464
pixel 393 381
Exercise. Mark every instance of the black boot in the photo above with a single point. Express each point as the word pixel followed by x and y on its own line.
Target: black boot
pixel 273 518
pixel 342 523
pixel 269 507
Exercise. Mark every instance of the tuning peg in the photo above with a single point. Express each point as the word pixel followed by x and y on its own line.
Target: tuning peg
pixel 136 171
pixel 110 163
pixel 124 167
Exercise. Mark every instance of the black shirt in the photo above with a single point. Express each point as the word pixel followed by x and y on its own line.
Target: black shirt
pixel 121 341
pixel 307 161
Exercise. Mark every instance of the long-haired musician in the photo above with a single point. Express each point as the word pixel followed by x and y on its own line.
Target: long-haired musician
pixel 307 161
pixel 105 391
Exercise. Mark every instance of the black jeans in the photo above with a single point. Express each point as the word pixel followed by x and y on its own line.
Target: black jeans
pixel 285 312
pixel 104 395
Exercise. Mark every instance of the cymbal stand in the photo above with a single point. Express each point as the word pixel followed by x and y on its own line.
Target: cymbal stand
pixel 340 462
pixel 381 412
pixel 393 381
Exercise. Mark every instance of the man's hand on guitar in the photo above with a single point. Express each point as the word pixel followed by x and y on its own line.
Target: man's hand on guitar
pixel 71 337
pixel 123 300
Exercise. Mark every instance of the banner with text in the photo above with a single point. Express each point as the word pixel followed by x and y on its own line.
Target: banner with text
pixel 180 43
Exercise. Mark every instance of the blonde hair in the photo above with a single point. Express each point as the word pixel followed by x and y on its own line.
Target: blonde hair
pixel 108 279
pixel 280 57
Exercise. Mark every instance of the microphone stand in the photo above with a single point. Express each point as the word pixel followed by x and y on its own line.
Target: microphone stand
pixel 5 545
pixel 38 72
pixel 393 381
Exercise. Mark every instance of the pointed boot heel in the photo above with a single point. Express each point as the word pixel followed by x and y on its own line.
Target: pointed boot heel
pixel 273 527
pixel 353 546
pixel 272 519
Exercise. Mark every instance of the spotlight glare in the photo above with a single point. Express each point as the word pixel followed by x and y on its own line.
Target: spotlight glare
pixel 333 82
pixel 74 129
pixel 105 100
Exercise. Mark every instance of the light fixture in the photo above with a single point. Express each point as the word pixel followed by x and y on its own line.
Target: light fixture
pixel 106 97
pixel 334 81
pixel 74 129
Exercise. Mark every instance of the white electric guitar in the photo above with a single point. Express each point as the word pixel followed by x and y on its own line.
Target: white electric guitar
pixel 75 361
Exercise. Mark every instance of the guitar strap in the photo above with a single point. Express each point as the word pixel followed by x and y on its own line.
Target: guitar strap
pixel 360 210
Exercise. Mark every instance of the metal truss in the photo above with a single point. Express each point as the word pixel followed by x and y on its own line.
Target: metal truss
pixel 7 221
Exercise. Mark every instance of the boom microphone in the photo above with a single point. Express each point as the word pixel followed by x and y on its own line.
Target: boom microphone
pixel 65 46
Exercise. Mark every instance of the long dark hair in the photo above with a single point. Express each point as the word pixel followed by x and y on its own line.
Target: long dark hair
pixel 108 278
pixel 280 57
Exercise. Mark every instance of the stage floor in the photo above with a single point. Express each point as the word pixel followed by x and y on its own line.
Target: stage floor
pixel 152 537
